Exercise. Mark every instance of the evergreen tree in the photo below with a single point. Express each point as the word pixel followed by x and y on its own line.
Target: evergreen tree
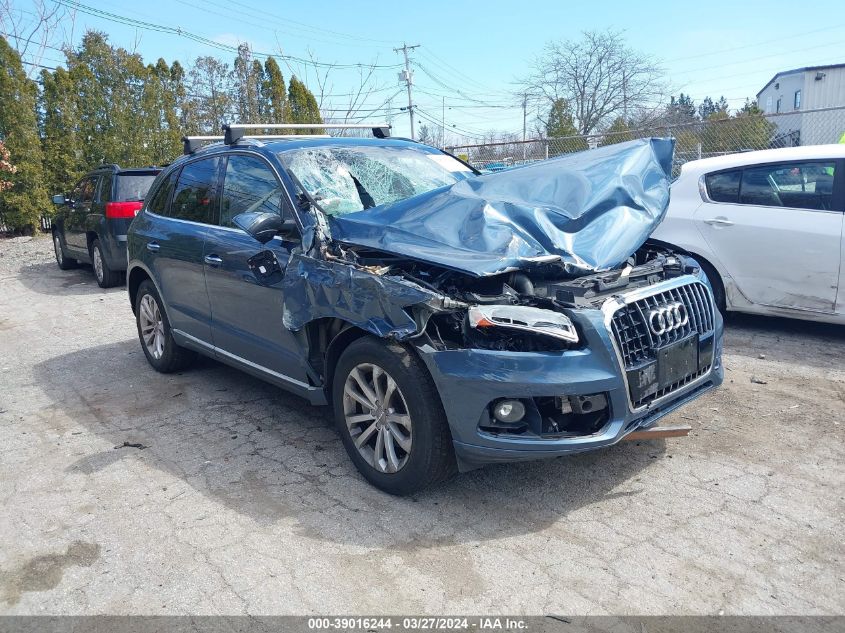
pixel 258 81
pixel 273 93
pixel 708 108
pixel 180 96
pixel 110 84
pixel 618 132
pixel 247 78
pixel 560 124
pixel 210 104
pixel 158 116
pixel 303 105
pixel 21 204
pixel 747 129
pixel 60 141
pixel 680 111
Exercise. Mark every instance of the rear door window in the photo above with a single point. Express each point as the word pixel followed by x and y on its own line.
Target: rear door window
pixel 86 190
pixel 807 185
pixel 105 189
pixel 249 186
pixel 196 192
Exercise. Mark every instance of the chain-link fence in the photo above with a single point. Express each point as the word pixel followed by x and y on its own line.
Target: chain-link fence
pixel 693 140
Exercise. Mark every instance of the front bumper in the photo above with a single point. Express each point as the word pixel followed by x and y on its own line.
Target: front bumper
pixel 470 379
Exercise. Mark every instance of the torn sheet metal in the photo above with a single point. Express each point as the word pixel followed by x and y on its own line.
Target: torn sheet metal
pixel 314 288
pixel 592 209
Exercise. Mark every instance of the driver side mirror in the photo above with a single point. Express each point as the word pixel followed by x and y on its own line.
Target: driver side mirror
pixel 265 226
pixel 59 199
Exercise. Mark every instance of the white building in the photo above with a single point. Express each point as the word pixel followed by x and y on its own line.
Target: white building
pixel 798 102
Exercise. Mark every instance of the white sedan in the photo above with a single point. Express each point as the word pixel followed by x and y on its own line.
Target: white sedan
pixel 767 227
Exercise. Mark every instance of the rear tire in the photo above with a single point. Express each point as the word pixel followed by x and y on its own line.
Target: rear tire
pixel 105 276
pixel 716 284
pixel 155 333
pixel 405 443
pixel 64 262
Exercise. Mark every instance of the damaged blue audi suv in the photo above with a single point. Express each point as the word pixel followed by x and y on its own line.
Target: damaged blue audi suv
pixel 450 319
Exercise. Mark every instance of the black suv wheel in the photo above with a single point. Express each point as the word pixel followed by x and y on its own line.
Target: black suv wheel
pixel 64 262
pixel 389 415
pixel 106 277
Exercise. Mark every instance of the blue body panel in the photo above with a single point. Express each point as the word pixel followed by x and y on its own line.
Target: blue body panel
pixel 469 380
pixel 224 310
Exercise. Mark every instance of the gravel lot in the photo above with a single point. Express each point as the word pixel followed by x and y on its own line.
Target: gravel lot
pixel 240 499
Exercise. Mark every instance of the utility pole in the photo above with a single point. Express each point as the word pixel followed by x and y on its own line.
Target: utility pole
pixel 443 125
pixel 524 125
pixel 625 96
pixel 408 77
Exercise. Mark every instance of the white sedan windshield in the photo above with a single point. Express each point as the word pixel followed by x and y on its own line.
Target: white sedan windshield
pixel 348 179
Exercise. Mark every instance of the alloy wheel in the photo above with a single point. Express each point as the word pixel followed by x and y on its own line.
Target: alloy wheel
pixel 57 245
pixel 152 326
pixel 377 418
pixel 98 263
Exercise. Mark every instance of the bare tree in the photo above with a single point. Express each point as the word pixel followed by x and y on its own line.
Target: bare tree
pixel 599 76
pixel 33 31
pixel 353 106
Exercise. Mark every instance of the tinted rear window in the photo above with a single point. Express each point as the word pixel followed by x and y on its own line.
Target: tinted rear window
pixel 132 186
pixel 158 203
pixel 724 186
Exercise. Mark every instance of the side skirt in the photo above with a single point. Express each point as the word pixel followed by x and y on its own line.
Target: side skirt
pixel 315 395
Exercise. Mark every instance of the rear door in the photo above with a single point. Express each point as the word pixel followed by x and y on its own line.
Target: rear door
pixel 777 228
pixel 243 276
pixel 184 207
pixel 80 206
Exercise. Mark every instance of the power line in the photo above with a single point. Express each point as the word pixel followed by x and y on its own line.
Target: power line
pixel 313 28
pixel 744 46
pixel 201 39
pixel 263 26
pixel 451 70
pixel 754 59
pixel 39 65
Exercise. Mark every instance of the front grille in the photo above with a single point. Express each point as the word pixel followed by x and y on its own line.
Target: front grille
pixel 638 344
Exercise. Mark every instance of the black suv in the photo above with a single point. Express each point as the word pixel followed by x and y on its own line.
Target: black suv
pixel 91 222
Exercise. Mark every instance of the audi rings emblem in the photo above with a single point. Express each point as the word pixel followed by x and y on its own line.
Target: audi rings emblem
pixel 667 317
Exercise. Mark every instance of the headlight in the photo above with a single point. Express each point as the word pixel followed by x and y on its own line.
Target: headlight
pixel 523 319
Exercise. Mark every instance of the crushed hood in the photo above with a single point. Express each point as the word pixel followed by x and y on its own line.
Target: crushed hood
pixel 592 210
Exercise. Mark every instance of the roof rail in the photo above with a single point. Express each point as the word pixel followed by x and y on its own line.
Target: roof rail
pixel 190 144
pixel 236 131
pixel 108 166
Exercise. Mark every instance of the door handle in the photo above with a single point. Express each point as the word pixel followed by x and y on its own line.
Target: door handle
pixel 153 247
pixel 718 222
pixel 213 260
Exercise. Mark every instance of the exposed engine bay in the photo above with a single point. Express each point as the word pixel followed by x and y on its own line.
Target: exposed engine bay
pixel 519 310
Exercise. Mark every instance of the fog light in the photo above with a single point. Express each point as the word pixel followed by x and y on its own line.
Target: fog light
pixel 509 411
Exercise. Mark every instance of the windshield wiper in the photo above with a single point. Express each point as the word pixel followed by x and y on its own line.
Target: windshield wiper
pixel 365 197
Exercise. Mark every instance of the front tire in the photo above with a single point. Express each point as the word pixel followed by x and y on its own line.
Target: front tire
pixel 155 333
pixel 105 276
pixel 64 262
pixel 390 417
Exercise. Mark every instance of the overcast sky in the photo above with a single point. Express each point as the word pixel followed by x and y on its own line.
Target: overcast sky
pixel 483 48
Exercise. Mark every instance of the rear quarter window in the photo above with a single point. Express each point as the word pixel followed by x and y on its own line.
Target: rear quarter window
pixel 130 187
pixel 724 186
pixel 158 202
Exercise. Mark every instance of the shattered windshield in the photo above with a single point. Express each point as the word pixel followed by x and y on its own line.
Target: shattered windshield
pixel 348 179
